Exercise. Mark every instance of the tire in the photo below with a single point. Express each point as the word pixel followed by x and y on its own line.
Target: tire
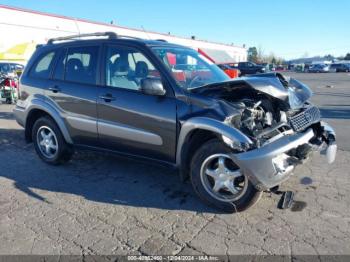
pixel 9 101
pixel 62 153
pixel 247 197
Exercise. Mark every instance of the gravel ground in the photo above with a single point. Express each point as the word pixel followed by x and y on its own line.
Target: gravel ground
pixel 102 204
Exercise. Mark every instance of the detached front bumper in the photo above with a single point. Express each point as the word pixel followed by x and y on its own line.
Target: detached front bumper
pixel 270 165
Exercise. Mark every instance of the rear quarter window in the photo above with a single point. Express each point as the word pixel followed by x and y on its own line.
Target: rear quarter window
pixel 41 68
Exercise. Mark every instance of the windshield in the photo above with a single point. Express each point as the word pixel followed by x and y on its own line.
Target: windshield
pixel 189 68
pixel 5 68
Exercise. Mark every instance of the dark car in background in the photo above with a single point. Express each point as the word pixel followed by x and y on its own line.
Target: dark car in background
pixel 250 68
pixel 339 67
pixel 11 68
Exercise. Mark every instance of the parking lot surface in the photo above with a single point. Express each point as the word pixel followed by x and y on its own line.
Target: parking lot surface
pixel 103 204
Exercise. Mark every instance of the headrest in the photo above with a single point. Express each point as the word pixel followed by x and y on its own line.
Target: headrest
pixel 74 64
pixel 120 67
pixel 141 69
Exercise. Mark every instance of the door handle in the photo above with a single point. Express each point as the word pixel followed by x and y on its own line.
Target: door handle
pixel 54 89
pixel 107 97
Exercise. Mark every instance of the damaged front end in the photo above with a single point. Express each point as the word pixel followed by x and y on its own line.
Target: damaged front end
pixel 274 113
pixel 271 164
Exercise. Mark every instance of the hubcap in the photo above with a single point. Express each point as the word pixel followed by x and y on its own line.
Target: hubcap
pixel 47 142
pixel 222 178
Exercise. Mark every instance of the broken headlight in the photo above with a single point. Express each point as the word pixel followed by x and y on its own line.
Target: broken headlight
pixel 298 93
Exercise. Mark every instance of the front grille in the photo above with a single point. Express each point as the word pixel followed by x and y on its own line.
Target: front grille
pixel 306 118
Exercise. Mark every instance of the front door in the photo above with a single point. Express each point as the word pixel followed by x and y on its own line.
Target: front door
pixel 128 120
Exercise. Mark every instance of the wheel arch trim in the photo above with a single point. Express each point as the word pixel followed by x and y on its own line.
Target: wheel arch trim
pixel 203 123
pixel 38 104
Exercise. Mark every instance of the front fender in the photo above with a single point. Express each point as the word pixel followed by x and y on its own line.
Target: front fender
pixel 203 123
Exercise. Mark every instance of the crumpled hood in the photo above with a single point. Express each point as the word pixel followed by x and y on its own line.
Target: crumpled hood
pixel 276 85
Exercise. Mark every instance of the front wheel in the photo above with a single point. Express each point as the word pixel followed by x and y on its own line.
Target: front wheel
pixel 219 181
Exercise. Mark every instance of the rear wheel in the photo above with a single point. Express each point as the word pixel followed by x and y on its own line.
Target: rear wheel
pixel 49 142
pixel 219 181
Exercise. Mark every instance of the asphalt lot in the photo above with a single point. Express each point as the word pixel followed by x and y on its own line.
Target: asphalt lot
pixel 103 204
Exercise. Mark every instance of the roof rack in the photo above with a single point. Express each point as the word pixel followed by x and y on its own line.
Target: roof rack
pixel 111 35
pixel 130 37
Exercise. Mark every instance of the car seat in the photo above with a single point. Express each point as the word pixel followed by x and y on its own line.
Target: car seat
pixel 74 69
pixel 120 72
pixel 141 71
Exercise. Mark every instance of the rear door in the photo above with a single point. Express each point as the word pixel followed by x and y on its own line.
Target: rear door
pixel 128 120
pixel 73 90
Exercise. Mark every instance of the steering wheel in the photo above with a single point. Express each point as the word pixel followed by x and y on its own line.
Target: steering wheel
pixel 196 79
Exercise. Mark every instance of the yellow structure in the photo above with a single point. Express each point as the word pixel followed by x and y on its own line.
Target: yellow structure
pixel 19 52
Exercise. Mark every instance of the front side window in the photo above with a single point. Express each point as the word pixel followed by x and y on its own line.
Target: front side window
pixel 80 65
pixel 189 68
pixel 42 68
pixel 125 68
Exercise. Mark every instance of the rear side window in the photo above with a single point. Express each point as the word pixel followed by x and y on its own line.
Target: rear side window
pixel 80 65
pixel 42 67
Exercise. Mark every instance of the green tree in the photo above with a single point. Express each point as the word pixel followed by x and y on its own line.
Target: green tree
pixel 347 57
pixel 273 60
pixel 328 57
pixel 252 54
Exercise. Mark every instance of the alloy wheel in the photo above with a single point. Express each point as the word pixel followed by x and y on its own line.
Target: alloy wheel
pixel 222 178
pixel 47 142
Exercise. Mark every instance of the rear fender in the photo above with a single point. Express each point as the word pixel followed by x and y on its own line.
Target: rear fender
pixel 54 113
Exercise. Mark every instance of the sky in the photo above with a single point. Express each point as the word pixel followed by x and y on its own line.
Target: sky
pixel 286 28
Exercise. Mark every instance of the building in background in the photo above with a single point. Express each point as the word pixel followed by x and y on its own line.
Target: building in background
pixel 21 29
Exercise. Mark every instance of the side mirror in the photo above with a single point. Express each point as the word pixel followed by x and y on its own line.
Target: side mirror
pixel 152 86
